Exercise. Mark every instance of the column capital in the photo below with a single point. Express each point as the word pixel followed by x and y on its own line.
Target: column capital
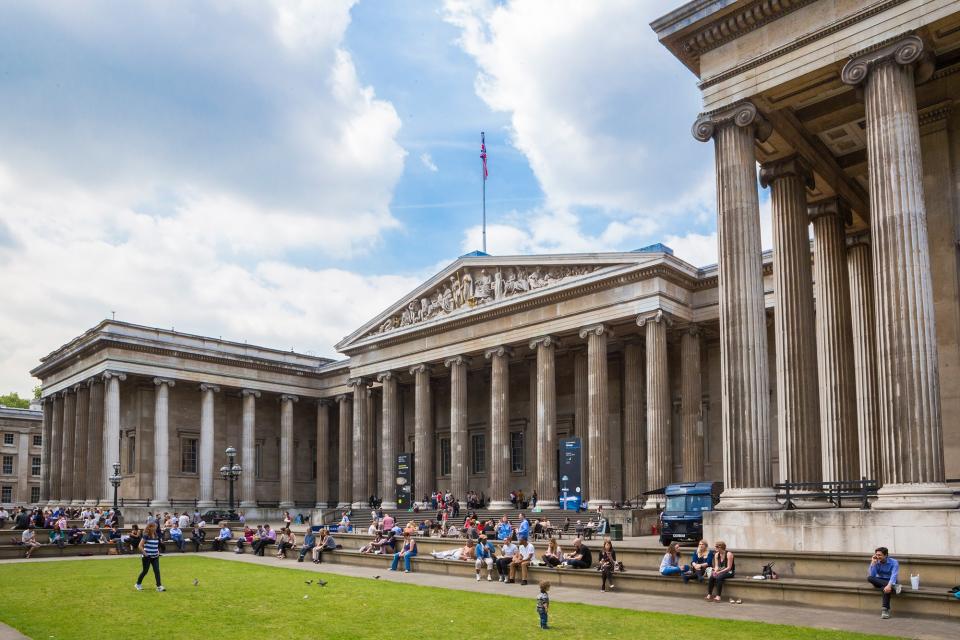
pixel 205 386
pixel 325 402
pixel 249 392
pixel 114 374
pixel 344 397
pixel 501 350
pixel 831 207
pixel 92 381
pixel 861 238
pixel 76 387
pixel 456 361
pixel 654 316
pixel 595 329
pixel 289 397
pixel 906 50
pixel 742 114
pixel 166 381
pixel 384 376
pixel 357 383
pixel 544 341
pixel 786 167
pixel 420 368
pixel 692 329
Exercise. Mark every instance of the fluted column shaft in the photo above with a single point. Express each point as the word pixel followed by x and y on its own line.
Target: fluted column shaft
pixel 360 442
pixel 94 441
pixel 56 447
pixel 546 452
pixel 205 465
pixel 372 458
pixel 390 426
pixel 598 411
pixel 80 444
pixel 659 407
pixel 865 357
pixel 345 451
pixel 838 421
pixel 47 435
pixel 111 430
pixel 499 426
pixel 161 443
pixel 634 435
pixel 748 468
pixel 798 412
pixel 691 440
pixel 69 441
pixel 323 453
pixel 458 425
pixel 423 469
pixel 907 367
pixel 248 449
pixel 581 416
pixel 287 467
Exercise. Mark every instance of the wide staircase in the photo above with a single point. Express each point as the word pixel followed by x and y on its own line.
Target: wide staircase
pixel 360 519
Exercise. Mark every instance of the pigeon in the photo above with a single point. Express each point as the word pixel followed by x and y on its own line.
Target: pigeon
pixel 309 582
pixel 321 583
pixel 376 577
pixel 196 582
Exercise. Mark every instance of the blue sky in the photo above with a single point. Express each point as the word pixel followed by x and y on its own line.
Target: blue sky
pixel 280 171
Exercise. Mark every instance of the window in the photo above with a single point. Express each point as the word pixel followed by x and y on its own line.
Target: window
pixel 6 494
pixel 131 453
pixel 35 465
pixel 478 453
pixel 34 494
pixel 7 465
pixel 444 456
pixel 258 459
pixel 38 441
pixel 516 452
pixel 8 438
pixel 188 455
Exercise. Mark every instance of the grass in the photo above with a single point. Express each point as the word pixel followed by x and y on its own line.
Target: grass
pixel 83 599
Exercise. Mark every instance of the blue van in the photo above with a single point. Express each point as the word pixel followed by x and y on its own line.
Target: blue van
pixel 682 519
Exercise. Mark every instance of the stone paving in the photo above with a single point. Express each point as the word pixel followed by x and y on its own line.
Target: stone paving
pixel 897 626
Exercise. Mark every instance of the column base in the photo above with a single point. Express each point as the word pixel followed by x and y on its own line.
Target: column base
pixel 500 505
pixel 655 502
pixel 923 495
pixel 286 506
pixel 160 504
pixel 548 504
pixel 749 499
pixel 249 504
pixel 344 505
pixel 206 504
pixel 388 506
pixel 90 503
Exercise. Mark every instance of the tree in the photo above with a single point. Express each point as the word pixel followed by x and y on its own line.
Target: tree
pixel 36 392
pixel 14 400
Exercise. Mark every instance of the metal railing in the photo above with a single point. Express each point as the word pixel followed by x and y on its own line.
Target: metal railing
pixel 833 492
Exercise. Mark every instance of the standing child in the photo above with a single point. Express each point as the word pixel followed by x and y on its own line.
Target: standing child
pixel 543 603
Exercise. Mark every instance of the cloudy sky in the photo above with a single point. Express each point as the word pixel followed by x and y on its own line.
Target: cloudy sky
pixel 280 171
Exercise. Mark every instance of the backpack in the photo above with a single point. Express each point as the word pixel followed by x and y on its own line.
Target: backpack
pixel 768 572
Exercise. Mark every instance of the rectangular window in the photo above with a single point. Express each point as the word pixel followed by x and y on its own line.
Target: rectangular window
pixel 258 459
pixel 188 455
pixel 516 452
pixel 38 442
pixel 131 453
pixel 35 465
pixel 6 494
pixel 444 456
pixel 478 453
pixel 34 494
pixel 7 465
pixel 8 438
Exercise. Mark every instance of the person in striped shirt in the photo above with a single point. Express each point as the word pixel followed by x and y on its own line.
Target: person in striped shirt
pixel 150 548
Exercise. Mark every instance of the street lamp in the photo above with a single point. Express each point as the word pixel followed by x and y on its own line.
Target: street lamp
pixel 115 481
pixel 230 472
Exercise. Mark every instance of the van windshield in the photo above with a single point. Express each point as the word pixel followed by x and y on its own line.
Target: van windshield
pixel 689 503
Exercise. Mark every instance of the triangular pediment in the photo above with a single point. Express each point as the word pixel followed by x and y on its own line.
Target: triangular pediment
pixel 473 284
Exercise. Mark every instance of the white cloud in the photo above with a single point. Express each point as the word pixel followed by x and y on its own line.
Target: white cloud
pixel 428 162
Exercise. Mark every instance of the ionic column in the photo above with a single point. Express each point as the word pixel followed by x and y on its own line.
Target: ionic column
pixel 80 444
pixel 111 430
pixel 47 435
pixel 69 441
pixel 345 452
pixel 323 453
pixel 248 449
pixel 94 441
pixel 423 469
pixel 659 407
pixel 634 436
pixel 161 444
pixel 546 484
pixel 499 425
pixel 389 428
pixel 865 356
pixel 748 468
pixel 691 435
pixel 581 415
pixel 458 425
pixel 56 447
pixel 838 417
pixel 287 468
pixel 360 442
pixel 205 466
pixel 798 414
pixel 598 409
pixel 907 370
pixel 372 458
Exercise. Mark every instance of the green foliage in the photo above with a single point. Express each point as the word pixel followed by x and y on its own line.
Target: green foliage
pixel 14 400
pixel 36 392
pixel 68 599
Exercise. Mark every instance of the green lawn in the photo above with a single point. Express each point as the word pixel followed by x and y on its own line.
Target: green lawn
pixel 85 599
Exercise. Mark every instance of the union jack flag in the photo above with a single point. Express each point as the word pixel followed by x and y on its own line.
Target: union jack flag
pixel 483 154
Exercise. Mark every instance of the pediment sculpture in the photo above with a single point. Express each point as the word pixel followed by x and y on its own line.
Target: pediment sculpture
pixel 470 287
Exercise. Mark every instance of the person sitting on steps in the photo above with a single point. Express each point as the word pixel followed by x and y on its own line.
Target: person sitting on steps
pixel 883 575
pixel 579 558
pixel 702 558
pixel 723 569
pixel 670 564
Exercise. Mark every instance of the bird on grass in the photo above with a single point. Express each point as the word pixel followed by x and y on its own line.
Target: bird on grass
pixel 196 582
pixel 376 577
pixel 321 583
pixel 309 582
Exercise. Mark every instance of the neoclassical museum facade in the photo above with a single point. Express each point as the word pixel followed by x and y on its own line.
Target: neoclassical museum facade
pixel 834 356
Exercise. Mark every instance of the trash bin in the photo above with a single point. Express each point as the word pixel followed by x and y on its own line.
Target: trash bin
pixel 616 532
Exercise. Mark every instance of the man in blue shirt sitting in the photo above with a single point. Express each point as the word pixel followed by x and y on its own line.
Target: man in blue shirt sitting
pixel 523 532
pixel 883 574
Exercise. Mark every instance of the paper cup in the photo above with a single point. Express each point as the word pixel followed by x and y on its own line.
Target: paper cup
pixel 915 582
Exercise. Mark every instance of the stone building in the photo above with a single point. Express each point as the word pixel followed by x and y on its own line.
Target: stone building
pixel 805 365
pixel 21 440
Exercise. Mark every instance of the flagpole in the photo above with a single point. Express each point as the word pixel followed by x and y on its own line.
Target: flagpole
pixel 483 170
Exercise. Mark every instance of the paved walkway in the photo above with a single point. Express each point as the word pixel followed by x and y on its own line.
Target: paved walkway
pixel 898 626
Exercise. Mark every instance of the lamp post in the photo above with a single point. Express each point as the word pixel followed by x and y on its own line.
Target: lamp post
pixel 115 481
pixel 230 472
